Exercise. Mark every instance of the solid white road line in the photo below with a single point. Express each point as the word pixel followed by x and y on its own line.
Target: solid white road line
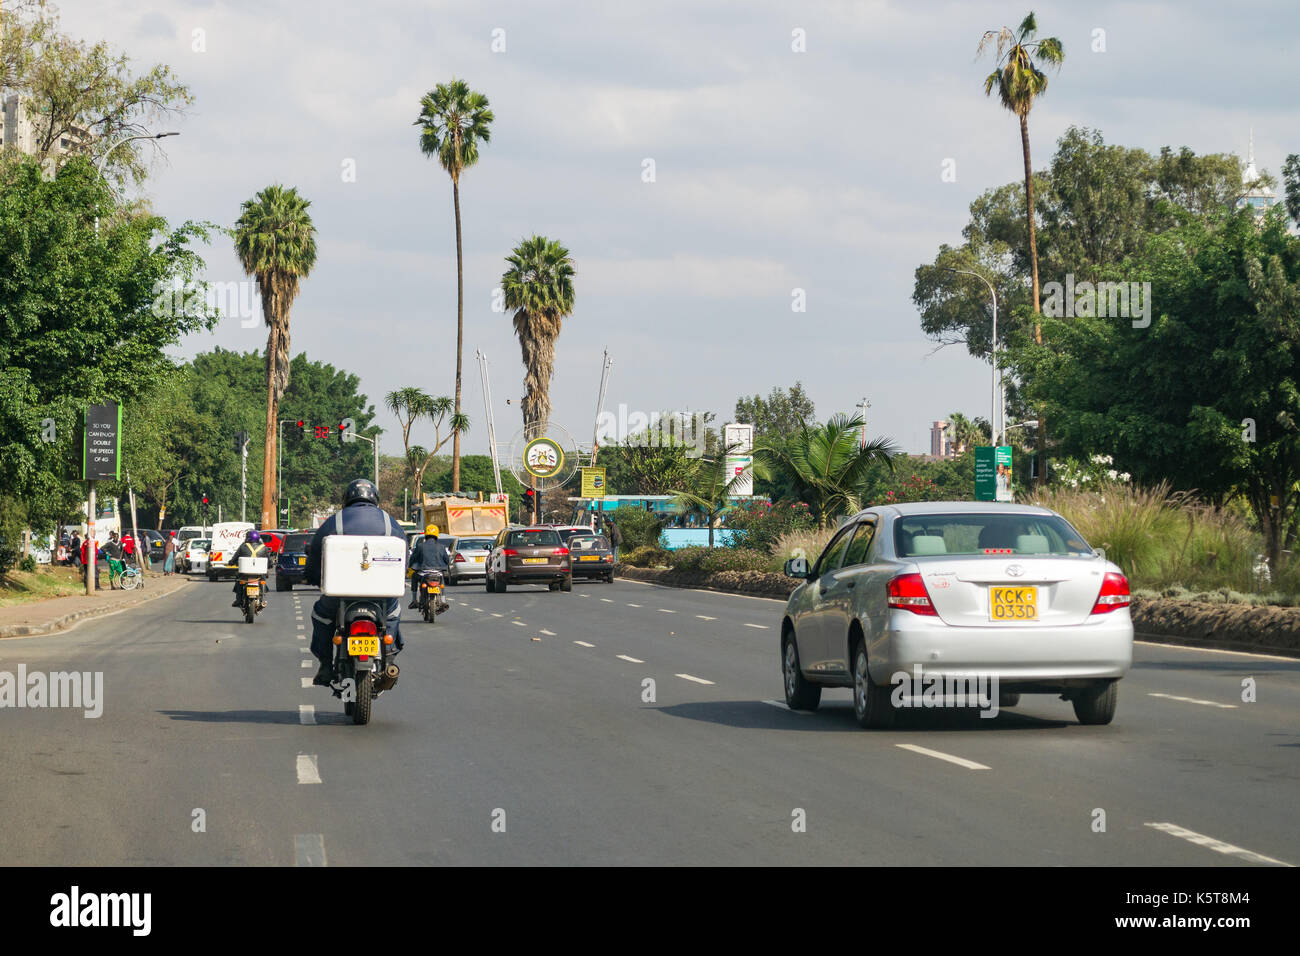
pixel 584 644
pixel 698 680
pixel 1193 700
pixel 306 682
pixel 1216 650
pixel 761 627
pixel 940 755
pixel 782 705
pixel 307 771
pixel 547 633
pixel 308 849
pixel 705 617
pixel 306 714
pixel 1218 846
pixel 630 660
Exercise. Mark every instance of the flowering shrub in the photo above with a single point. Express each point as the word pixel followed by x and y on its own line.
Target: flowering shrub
pixel 1097 472
pixel 911 488
pixel 760 526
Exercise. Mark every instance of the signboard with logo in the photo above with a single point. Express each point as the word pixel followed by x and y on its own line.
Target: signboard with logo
pixel 993 473
pixel 593 482
pixel 101 458
pixel 740 467
pixel 543 457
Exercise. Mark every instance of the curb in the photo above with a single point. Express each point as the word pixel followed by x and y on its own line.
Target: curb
pixel 63 623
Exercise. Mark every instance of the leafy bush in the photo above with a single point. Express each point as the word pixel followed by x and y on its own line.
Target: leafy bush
pixel 759 527
pixel 640 528
pixel 713 560
pixel 801 544
pixel 27 564
pixel 644 557
pixel 13 519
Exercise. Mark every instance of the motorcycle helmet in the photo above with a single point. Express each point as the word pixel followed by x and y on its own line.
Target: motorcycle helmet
pixel 361 490
pixel 431 531
pixel 254 536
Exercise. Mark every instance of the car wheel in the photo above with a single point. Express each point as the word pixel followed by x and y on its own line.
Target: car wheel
pixel 800 693
pixel 566 584
pixel 1096 704
pixel 488 583
pixel 212 577
pixel 501 585
pixel 871 704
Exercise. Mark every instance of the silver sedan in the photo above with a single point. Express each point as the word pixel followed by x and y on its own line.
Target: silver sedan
pixel 907 598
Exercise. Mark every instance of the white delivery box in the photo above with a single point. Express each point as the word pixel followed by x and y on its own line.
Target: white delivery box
pixel 359 565
pixel 255 566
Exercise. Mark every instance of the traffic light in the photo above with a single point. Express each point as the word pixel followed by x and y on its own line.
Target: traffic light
pixel 530 503
pixel 343 433
pixel 302 429
pixel 205 499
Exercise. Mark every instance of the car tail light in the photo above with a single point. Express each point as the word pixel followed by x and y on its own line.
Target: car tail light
pixel 907 593
pixel 560 551
pixel 509 552
pixel 362 627
pixel 1114 594
pixel 460 558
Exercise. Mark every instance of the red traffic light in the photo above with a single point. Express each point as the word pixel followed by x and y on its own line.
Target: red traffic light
pixel 528 493
pixel 205 499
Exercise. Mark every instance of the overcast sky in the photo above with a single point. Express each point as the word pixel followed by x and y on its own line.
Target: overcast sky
pixel 774 170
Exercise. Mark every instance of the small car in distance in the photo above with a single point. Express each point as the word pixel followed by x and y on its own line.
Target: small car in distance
pixel 291 561
pixel 593 557
pixel 529 555
pixel 193 557
pixel 1010 595
pixel 467 558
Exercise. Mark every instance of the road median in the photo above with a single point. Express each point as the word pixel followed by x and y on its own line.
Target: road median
pixel 57 614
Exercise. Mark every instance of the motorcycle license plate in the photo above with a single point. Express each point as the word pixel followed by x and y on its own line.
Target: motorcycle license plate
pixel 434 589
pixel 251 590
pixel 1013 604
pixel 363 646
pixel 535 560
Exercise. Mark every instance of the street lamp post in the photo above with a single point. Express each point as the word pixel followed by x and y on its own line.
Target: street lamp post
pixel 998 396
pixel 103 160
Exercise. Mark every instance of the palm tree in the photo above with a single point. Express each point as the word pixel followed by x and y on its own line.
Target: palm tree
pixel 825 462
pixel 708 487
pixel 453 121
pixel 276 244
pixel 410 405
pixel 961 430
pixel 1019 83
pixel 538 286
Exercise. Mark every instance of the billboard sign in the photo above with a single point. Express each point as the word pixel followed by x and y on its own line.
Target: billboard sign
pixel 101 458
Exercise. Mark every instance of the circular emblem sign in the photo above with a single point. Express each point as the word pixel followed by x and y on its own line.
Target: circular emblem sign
pixel 543 457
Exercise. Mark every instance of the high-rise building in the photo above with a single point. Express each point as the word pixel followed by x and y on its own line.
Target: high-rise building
pixel 19 131
pixel 940 441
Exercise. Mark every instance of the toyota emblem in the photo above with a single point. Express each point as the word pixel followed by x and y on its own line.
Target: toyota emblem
pixel 1014 570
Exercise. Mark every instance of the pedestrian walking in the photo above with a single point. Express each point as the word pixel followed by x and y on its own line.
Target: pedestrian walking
pixel 75 547
pixel 85 562
pixel 615 536
pixel 116 560
pixel 169 554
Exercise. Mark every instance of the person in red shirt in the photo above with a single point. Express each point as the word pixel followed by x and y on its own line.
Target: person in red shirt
pixel 85 561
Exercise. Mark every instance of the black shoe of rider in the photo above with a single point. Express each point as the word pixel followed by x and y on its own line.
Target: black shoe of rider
pixel 322 678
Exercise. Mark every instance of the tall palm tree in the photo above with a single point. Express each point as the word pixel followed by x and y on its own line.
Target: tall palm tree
pixel 453 121
pixel 538 286
pixel 826 462
pixel 1019 83
pixel 276 244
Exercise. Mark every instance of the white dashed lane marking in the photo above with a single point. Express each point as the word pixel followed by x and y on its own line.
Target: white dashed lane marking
pixel 940 755
pixel 1193 700
pixel 698 680
pixel 306 682
pixel 308 849
pixel 705 617
pixel 306 664
pixel 630 660
pixel 306 714
pixel 667 610
pixel 761 627
pixel 495 614
pixel 1218 846
pixel 630 604
pixel 307 771
pixel 547 633
pixel 607 600
pixel 584 644
pixel 520 623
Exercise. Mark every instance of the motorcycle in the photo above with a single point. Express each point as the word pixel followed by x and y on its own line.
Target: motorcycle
pixel 430 599
pixel 252 597
pixel 363 652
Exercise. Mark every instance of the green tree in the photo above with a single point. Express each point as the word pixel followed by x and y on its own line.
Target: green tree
pixel 454 120
pixel 708 488
pixel 826 462
pixel 411 405
pixel 275 240
pixel 781 413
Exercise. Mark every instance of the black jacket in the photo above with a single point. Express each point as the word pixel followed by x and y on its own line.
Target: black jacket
pixel 429 554
pixel 360 517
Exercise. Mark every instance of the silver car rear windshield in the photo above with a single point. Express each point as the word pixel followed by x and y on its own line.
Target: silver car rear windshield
pixel 474 544
pixel 917 536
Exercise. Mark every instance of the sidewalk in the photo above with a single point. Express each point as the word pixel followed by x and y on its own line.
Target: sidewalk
pixel 46 617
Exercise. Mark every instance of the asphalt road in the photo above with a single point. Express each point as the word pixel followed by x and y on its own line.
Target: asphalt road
pixel 497 747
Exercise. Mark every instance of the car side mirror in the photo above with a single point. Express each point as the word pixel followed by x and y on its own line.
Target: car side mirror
pixel 796 568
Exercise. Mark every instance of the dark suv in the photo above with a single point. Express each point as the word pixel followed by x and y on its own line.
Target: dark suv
pixel 291 562
pixel 529 555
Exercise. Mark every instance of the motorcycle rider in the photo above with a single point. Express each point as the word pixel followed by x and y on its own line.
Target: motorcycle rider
pixel 361 514
pixel 429 554
pixel 251 548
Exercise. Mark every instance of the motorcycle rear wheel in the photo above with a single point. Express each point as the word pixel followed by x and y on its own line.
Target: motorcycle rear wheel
pixel 361 708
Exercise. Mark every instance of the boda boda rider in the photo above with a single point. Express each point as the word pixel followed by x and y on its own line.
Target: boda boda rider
pixel 361 514
pixel 251 548
pixel 430 554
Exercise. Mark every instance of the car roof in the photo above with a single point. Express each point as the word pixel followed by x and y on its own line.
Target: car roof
pixel 956 507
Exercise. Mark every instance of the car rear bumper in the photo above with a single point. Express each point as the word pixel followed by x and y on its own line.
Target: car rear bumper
pixel 594 569
pixel 536 573
pixel 1101 647
pixel 475 570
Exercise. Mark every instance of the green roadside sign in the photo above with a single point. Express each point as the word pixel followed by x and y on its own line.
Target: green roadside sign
pixel 993 473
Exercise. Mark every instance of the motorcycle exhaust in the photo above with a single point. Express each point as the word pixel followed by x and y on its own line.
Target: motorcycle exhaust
pixel 391 671
pixel 388 679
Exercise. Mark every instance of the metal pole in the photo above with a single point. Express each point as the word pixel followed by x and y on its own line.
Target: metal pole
pixel 141 559
pixel 600 403
pixel 375 444
pixel 279 463
pixel 998 395
pixel 90 539
pixel 487 405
